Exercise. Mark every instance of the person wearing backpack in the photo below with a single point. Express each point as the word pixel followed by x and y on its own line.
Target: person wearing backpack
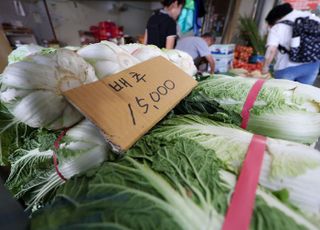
pixel 294 41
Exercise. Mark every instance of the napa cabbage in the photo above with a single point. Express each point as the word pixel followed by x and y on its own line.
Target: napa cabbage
pixel 33 175
pixel 23 51
pixel 181 59
pixel 286 165
pixel 32 89
pixel 284 109
pixel 107 58
pixel 144 52
pixel 175 186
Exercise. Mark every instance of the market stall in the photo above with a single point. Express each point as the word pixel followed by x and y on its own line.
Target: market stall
pixel 96 133
pixel 179 173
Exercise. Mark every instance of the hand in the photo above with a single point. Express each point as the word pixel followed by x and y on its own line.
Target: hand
pixel 265 71
pixel 266 75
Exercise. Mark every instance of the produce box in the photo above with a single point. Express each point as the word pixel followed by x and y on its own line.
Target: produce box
pixel 222 49
pixel 223 62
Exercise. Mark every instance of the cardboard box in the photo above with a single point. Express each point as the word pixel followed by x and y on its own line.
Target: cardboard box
pixel 128 104
pixel 222 49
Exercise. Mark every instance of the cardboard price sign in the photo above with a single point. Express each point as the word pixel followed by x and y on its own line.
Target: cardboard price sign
pixel 128 104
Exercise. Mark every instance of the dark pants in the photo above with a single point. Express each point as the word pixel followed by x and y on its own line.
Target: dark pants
pixel 201 63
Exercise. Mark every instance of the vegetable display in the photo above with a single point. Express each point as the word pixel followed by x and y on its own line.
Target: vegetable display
pixel 183 60
pixel 286 165
pixel 23 51
pixel 284 109
pixel 130 48
pixel 32 89
pixel 241 59
pixel 248 66
pixel 243 53
pixel 107 58
pixel 170 187
pixel 33 174
pixel 181 174
pixel 144 52
pixel 12 134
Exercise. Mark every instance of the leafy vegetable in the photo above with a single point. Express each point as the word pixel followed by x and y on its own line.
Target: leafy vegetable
pixel 175 187
pixel 12 134
pixel 286 165
pixel 32 89
pixel 273 210
pixel 23 51
pixel 107 58
pixel 144 52
pixel 33 174
pixel 130 48
pixel 181 59
pixel 128 195
pixel 283 109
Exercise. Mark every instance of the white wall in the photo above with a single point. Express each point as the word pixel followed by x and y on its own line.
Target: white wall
pixel 268 5
pixel 155 5
pixel 246 7
pixel 35 18
pixel 71 16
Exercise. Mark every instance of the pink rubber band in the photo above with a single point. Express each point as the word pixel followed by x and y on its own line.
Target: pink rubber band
pixel 251 98
pixel 242 202
pixel 55 160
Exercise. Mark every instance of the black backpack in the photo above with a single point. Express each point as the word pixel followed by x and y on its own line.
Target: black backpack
pixel 308 32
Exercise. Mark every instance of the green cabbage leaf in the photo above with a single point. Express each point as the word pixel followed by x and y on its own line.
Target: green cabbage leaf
pixel 174 185
pixel 283 109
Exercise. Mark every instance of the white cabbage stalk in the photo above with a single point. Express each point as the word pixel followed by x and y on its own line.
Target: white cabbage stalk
pixel 284 109
pixel 130 48
pixel 286 165
pixel 181 59
pixel 23 51
pixel 230 180
pixel 82 148
pixel 107 58
pixel 32 89
pixel 144 52
pixel 72 48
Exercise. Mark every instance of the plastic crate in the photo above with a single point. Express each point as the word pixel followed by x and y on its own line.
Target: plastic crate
pixel 223 62
pixel 222 49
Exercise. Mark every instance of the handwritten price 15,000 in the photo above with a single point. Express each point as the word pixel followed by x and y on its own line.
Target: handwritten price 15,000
pixel 155 97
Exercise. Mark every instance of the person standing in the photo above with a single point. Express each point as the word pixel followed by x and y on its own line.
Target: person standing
pixel 279 42
pixel 162 26
pixel 198 49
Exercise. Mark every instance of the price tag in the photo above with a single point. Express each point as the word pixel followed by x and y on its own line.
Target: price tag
pixel 128 104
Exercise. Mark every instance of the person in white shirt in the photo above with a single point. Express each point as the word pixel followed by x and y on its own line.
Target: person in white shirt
pixel 281 34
